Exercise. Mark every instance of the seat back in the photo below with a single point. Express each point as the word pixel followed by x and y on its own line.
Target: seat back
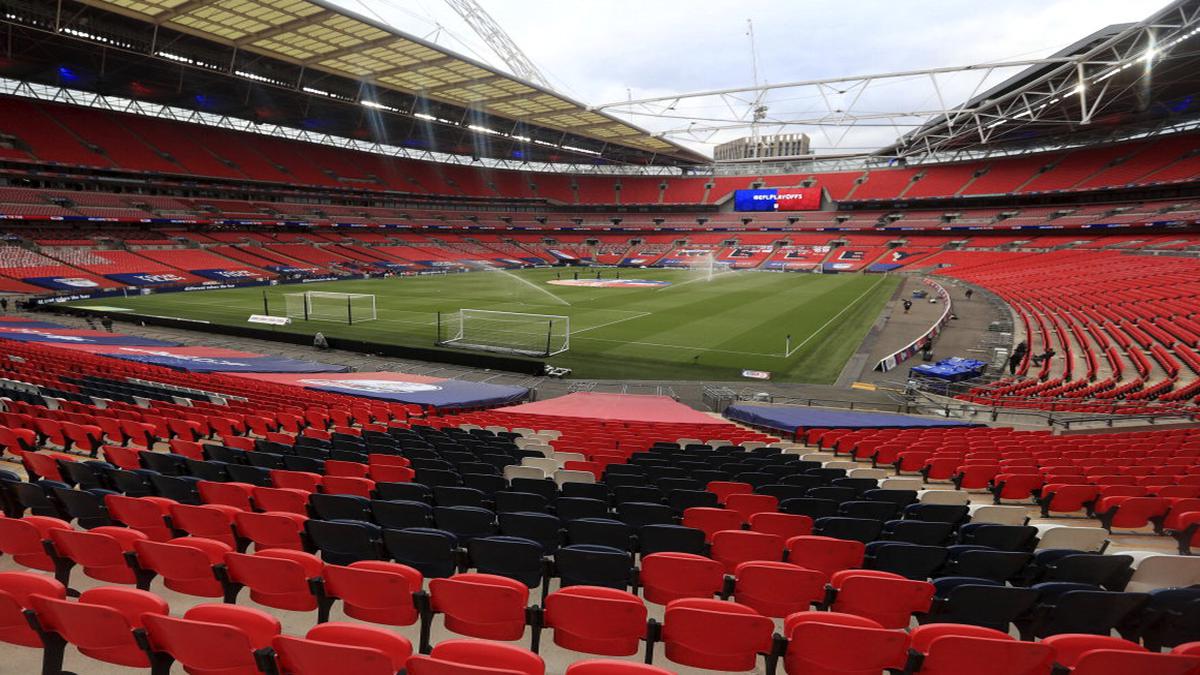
pixel 670 576
pixel 825 554
pixel 888 599
pixel 16 591
pixel 595 620
pixel 953 654
pixel 213 638
pixel 715 634
pixel 832 648
pixel 481 605
pixel 101 623
pixel 777 589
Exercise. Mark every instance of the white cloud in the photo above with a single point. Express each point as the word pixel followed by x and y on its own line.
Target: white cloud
pixel 601 51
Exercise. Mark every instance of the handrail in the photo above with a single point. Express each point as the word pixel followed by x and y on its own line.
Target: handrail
pixel 901 355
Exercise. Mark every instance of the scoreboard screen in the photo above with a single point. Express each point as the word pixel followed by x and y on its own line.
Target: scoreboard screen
pixel 778 199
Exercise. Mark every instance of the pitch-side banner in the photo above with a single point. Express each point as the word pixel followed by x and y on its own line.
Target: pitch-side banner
pixel 147 278
pixel 777 199
pixel 64 283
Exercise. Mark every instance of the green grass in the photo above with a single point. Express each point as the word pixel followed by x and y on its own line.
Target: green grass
pixel 692 330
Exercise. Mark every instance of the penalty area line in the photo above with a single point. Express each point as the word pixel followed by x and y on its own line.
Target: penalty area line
pixel 817 332
pixel 610 323
pixel 690 347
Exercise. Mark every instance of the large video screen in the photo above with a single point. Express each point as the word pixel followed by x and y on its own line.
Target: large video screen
pixel 777 199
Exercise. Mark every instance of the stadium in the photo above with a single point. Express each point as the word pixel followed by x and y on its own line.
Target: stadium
pixel 453 373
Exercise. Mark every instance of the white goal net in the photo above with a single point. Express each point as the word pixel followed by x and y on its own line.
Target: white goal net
pixel 328 306
pixel 505 332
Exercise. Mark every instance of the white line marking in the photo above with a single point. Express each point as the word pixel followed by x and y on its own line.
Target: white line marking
pixel 693 348
pixel 692 281
pixel 817 332
pixel 628 318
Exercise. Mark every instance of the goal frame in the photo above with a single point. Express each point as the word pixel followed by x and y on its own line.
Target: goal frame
pixel 457 336
pixel 304 310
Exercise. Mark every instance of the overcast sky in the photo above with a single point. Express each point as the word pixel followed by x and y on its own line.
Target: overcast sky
pixel 598 50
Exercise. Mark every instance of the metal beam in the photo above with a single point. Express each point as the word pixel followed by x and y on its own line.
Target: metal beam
pixel 375 77
pixel 494 36
pixel 285 27
pixel 353 49
pixel 180 10
pixel 825 81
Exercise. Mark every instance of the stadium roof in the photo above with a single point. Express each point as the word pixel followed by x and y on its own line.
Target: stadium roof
pixel 1136 78
pixel 1122 81
pixel 317 36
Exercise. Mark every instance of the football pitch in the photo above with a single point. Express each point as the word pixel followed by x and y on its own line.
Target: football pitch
pixel 696 328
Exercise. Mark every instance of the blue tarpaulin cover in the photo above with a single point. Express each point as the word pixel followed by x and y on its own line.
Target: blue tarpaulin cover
pixel 790 418
pixel 952 369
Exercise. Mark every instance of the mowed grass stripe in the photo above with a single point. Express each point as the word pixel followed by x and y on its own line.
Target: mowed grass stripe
pixel 736 320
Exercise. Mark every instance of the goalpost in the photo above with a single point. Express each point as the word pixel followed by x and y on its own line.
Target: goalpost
pixel 523 333
pixel 347 308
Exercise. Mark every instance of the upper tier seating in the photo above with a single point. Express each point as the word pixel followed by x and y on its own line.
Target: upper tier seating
pixel 86 137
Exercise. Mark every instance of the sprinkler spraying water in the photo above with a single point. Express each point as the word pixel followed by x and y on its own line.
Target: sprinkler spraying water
pixel 708 265
pixel 525 282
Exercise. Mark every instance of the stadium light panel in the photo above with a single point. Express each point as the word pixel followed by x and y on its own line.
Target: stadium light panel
pixel 258 78
pixel 379 106
pixel 96 38
pixel 179 58
pixel 573 148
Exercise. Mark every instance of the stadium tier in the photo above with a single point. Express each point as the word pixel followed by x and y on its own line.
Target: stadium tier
pixel 66 135
pixel 569 523
pixel 325 349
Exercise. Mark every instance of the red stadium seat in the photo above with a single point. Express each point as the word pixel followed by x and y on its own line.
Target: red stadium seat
pixel 711 520
pixel 785 525
pixel 294 480
pixel 671 576
pixel 375 591
pixel 281 499
pixel 147 515
pixel 733 547
pixel 211 639
pixel 472 657
pixel 886 598
pixel 272 529
pixel 777 588
pixel 210 521
pixel 276 578
pixel 595 620
pixel 607 667
pixel 949 649
pixel 722 489
pixel 342 648
pixel 100 552
pixel 16 591
pixel 185 564
pixel 715 634
pixel 748 505
pixel 1062 498
pixel 825 554
pixel 23 539
pixel 235 495
pixel 1103 655
pixel 100 625
pixel 1130 512
pixel 840 644
pixel 481 605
